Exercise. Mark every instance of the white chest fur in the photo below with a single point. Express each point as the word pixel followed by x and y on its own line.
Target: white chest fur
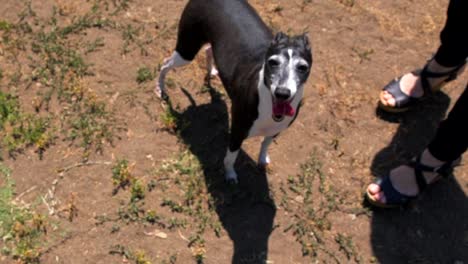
pixel 264 125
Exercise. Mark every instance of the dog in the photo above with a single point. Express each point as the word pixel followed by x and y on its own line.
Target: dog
pixel 263 74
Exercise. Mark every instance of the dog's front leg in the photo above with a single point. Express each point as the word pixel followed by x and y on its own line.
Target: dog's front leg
pixel 229 160
pixel 263 157
pixel 238 134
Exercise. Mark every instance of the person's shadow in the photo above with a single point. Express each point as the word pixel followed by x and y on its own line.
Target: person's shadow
pixel 434 229
pixel 246 210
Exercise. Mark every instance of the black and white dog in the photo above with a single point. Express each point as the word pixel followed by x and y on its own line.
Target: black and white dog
pixel 263 74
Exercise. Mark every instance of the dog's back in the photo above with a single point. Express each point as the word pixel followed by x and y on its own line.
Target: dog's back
pixel 237 34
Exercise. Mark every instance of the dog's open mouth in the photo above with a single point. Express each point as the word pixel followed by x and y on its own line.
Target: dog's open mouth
pixel 282 109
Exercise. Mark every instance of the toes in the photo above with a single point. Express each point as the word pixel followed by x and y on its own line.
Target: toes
pixel 373 188
pixel 379 197
pixel 387 99
pixel 375 193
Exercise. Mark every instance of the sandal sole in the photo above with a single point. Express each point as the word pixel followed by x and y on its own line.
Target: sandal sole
pixel 391 109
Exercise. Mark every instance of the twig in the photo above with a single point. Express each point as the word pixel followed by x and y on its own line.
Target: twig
pixel 81 164
pixel 25 192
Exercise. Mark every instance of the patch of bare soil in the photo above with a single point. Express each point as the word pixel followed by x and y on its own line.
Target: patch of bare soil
pixel 121 178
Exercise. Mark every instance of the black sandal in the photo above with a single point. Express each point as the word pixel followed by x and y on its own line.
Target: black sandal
pixel 396 199
pixel 404 102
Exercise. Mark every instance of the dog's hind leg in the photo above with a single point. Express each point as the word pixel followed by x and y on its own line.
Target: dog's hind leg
pixel 172 62
pixel 263 157
pixel 190 38
pixel 210 66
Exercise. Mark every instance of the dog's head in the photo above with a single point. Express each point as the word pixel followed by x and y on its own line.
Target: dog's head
pixel 287 66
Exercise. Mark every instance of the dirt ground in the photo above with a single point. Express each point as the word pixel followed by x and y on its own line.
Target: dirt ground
pixel 307 208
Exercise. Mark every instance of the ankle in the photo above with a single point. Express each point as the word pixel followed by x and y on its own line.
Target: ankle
pixel 434 66
pixel 429 160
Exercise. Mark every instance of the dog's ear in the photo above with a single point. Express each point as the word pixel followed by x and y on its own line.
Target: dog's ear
pixel 305 41
pixel 280 38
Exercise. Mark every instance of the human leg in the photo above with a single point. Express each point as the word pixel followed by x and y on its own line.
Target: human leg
pixel 400 94
pixel 444 151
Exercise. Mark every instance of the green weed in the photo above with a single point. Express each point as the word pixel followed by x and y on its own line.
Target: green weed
pixel 197 204
pixel 5 25
pixel 121 175
pixel 21 130
pixel 58 65
pixel 144 74
pixel 137 256
pixel 172 260
pixel 93 46
pixel 21 228
pixel 310 218
pixel 170 119
pixel 347 245
pixel 91 124
pixel 364 55
pixel 137 191
pixel 130 35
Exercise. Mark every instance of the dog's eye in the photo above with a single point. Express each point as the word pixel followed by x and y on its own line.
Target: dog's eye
pixel 302 68
pixel 273 63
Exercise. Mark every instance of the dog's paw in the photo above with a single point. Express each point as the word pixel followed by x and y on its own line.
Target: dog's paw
pixel 214 72
pixel 231 177
pixel 263 161
pixel 160 93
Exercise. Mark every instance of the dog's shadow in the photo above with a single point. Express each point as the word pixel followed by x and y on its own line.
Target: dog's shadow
pixel 432 229
pixel 246 210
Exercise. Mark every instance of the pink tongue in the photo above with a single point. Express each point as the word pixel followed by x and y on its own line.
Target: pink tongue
pixel 283 108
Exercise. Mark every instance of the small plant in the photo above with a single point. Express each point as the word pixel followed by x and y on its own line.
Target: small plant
pixel 121 175
pixel 140 258
pixel 170 119
pixel 364 55
pixel 310 220
pixel 21 130
pixel 144 74
pixel 172 260
pixel 137 191
pixel 199 254
pixel 20 228
pixel 131 35
pixel 137 257
pixel 151 217
pixel 347 245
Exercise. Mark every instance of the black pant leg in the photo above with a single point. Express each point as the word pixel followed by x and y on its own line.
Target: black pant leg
pixel 451 139
pixel 453 50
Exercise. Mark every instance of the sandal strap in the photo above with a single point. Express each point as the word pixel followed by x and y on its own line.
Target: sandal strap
pixel 393 196
pixel 418 171
pixel 443 170
pixel 425 74
pixel 401 99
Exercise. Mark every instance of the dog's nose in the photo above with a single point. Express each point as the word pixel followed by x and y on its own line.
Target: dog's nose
pixel 282 93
